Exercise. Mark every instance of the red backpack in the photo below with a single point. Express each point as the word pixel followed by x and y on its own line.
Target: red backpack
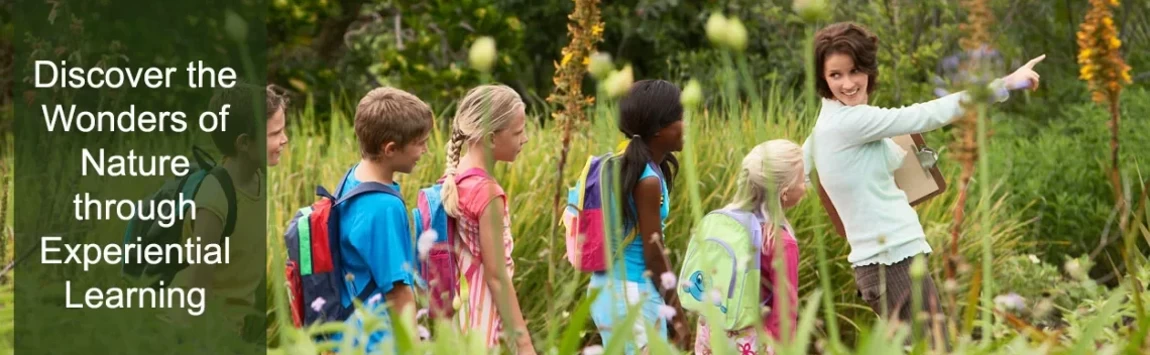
pixel 314 271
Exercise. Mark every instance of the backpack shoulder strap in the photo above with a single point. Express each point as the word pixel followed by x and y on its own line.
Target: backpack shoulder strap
pixel 752 223
pixel 229 188
pixel 368 187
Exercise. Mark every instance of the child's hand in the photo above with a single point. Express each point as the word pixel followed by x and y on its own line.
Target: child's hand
pixel 525 347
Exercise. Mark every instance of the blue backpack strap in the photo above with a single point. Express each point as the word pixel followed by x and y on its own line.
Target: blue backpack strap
pixel 368 187
pixel 362 188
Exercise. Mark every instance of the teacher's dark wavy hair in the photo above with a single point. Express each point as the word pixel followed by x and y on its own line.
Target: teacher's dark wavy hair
pixel 852 40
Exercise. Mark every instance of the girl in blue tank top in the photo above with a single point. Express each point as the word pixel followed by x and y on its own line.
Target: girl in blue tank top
pixel 651 118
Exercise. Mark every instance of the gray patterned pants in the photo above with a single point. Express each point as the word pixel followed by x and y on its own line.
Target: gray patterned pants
pixel 898 301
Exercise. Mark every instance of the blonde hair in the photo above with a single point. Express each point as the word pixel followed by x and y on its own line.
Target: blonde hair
pixel 770 169
pixel 389 115
pixel 485 110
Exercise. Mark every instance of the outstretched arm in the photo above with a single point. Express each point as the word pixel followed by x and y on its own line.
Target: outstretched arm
pixel 864 123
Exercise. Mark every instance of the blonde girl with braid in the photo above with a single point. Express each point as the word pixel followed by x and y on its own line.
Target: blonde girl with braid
pixel 489 127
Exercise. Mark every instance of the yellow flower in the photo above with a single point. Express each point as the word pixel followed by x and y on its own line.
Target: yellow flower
pixel 1115 43
pixel 597 29
pixel 566 59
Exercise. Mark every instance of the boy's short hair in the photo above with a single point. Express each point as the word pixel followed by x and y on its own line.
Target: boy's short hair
pixel 389 115
pixel 242 115
pixel 852 40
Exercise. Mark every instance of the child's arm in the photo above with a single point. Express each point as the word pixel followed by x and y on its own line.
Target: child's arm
pixel 210 228
pixel 400 298
pixel 491 251
pixel 790 286
pixel 647 195
pixel 384 242
pixel 791 262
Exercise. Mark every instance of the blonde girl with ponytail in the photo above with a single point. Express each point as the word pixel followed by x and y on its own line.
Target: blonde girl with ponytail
pixel 489 127
pixel 770 182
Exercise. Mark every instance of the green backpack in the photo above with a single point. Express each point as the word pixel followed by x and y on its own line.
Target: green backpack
pixel 722 267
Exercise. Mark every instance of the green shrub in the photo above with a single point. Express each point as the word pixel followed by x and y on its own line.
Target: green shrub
pixel 1059 166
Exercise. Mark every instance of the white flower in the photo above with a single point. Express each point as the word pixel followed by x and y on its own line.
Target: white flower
pixel 1033 259
pixel 950 285
pixel 1074 269
pixel 668 280
pixel 716 296
pixel 1010 302
pixel 482 54
pixel 318 304
pixel 593 350
pixel 666 312
pixel 421 313
pixel 426 241
pixel 374 299
pixel 423 333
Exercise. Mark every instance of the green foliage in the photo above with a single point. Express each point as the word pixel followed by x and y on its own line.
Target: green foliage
pixel 418 46
pixel 661 39
pixel 1057 167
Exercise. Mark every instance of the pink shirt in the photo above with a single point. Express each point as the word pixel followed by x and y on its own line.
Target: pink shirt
pixel 479 313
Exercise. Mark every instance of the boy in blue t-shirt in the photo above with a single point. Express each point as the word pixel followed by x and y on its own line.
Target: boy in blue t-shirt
pixel 392 127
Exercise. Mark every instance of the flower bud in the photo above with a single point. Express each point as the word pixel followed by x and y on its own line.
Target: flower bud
pixel 692 94
pixel 600 66
pixel 736 35
pixel 811 10
pixel 917 268
pixel 619 82
pixel 235 26
pixel 482 54
pixel 717 29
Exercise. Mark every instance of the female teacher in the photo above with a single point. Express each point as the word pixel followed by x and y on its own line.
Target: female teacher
pixel 850 146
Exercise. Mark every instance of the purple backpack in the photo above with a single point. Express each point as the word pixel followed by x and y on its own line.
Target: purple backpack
pixel 587 218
